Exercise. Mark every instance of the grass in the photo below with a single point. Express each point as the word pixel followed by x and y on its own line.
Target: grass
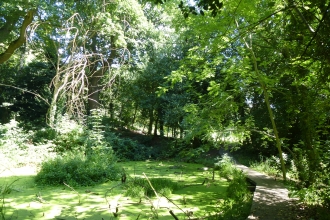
pixel 30 201
pixel 193 196
pixel 182 188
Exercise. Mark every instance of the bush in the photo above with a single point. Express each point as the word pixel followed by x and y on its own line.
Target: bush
pixel 225 164
pixel 77 170
pixel 11 134
pixel 43 135
pixel 238 202
pixel 238 187
pixel 127 149
pixel 73 140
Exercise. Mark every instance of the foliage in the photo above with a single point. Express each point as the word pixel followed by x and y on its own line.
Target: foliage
pixel 194 78
pixel 127 149
pixel 73 137
pixel 202 6
pixel 86 158
pixel 112 30
pixel 70 136
pixel 238 202
pixel 76 170
pixel 12 135
pixel 26 89
pixel 316 194
pixel 190 155
pixel 243 55
pixel 238 187
pixel 17 148
pixel 270 166
pixel 4 190
pixel 44 135
pixel 225 164
pixel 70 141
pixel 139 187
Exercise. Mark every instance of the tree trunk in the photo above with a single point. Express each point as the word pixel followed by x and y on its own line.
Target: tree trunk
pixel 181 130
pixel 59 84
pixel 94 89
pixel 308 134
pixel 97 70
pixel 161 121
pixel 4 115
pixel 151 121
pixel 112 112
pixel 156 126
pixel 134 115
pixel 270 112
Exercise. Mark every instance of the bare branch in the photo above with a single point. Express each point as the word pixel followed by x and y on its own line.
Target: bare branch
pixel 27 91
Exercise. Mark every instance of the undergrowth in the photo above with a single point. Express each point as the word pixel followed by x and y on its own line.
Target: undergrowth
pixel 237 205
pixel 78 170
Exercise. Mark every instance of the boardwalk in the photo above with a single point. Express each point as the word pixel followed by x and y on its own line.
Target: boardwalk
pixel 270 201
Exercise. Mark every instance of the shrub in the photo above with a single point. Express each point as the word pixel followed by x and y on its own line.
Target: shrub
pixel 70 135
pixel 127 149
pixel 238 202
pixel 73 140
pixel 238 187
pixel 43 135
pixel 226 167
pixel 77 170
pixel 11 134
pixel 16 148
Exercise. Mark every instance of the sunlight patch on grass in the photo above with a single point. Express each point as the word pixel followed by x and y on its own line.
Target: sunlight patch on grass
pixel 30 201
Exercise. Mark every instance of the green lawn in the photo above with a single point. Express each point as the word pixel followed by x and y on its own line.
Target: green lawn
pixel 26 200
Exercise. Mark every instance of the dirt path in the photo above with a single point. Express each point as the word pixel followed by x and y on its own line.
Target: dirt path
pixel 270 200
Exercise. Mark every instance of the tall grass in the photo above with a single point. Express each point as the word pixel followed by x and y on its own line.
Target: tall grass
pixel 269 166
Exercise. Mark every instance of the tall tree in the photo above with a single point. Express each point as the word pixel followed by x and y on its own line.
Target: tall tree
pixel 94 40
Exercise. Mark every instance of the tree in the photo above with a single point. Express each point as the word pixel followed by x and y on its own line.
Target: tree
pixel 29 98
pixel 278 55
pixel 93 41
pixel 15 17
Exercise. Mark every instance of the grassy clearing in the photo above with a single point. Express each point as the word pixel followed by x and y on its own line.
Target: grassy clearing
pixel 26 200
pixel 188 190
